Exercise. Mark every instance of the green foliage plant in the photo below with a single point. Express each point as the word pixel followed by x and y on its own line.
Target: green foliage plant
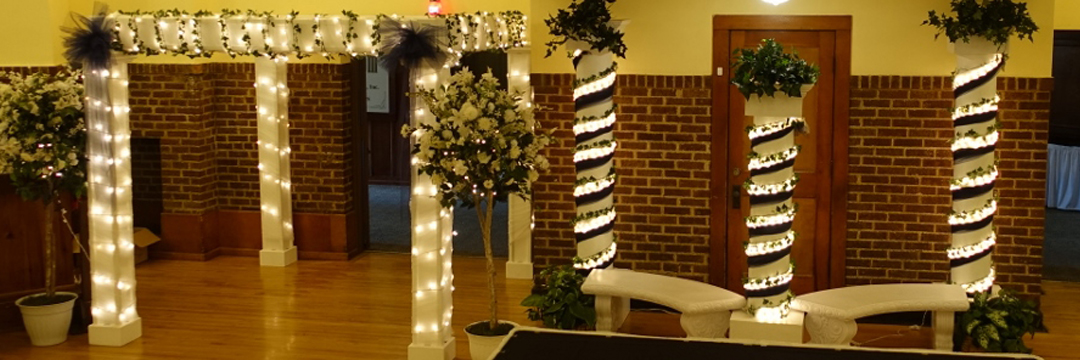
pixel 557 300
pixel 767 69
pixel 995 20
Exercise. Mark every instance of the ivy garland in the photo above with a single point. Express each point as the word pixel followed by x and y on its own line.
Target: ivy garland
pixel 586 21
pixel 587 119
pixel 611 176
pixel 590 215
pixel 994 20
pixel 600 75
pixel 595 145
pixel 509 32
pixel 975 174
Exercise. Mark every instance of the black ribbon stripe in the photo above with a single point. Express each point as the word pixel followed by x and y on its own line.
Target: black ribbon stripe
pixel 595 232
pixel 967 193
pixel 591 163
pixel 777 290
pixel 970 153
pixel 971 259
pixel 770 230
pixel 770 137
pixel 973 226
pixel 766 259
pixel 974 84
pixel 586 136
pixel 774 168
pixel 594 197
pixel 975 118
pixel 590 99
pixel 771 198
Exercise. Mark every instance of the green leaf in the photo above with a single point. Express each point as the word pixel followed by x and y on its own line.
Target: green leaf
pixel 534 300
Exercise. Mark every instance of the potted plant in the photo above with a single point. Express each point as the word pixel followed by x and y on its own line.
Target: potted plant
pixel 482 148
pixel 557 300
pixel 773 83
pixel 994 21
pixel 590 23
pixel 999 323
pixel 42 139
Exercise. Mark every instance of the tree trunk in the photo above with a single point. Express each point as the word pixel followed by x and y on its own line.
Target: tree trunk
pixel 485 229
pixel 50 247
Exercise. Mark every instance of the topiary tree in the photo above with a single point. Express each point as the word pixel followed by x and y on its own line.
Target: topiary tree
pixel 42 139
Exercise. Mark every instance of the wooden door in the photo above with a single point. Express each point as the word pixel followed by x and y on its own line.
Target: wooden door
pixel 388 151
pixel 1065 107
pixel 818 251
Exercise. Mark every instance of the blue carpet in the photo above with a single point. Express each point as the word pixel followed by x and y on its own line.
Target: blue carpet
pixel 390 224
pixel 1061 249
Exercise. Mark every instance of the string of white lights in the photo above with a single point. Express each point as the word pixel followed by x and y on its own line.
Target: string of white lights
pixel 976 142
pixel 770 281
pixel 599 151
pixel 594 125
pixel 965 77
pixel 981 285
pixel 594 111
pixel 973 249
pixel 755 189
pixel 598 259
pixel 974 216
pixel 982 107
pixel 975 180
pixel 767 161
pixel 769 247
pixel 758 131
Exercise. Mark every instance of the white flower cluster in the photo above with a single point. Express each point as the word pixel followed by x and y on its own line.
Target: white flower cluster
pixel 42 132
pixel 481 141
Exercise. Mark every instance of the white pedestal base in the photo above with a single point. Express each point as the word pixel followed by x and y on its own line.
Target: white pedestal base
pixel 115 335
pixel 278 258
pixel 422 352
pixel 519 270
pixel 788 330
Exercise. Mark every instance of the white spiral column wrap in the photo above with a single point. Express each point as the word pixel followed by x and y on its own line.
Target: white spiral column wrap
pixel 975 170
pixel 594 153
pixel 772 211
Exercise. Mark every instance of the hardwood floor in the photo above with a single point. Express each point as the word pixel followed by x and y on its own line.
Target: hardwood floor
pixel 230 308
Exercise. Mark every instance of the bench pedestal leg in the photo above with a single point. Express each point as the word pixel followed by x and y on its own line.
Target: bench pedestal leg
pixel 611 312
pixel 713 325
pixel 831 331
pixel 944 322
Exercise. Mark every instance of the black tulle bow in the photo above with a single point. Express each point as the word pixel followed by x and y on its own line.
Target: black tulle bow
pixel 411 45
pixel 90 41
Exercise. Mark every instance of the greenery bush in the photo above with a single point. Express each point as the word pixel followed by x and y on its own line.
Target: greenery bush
pixel 586 21
pixel 557 300
pixel 998 324
pixel 995 20
pixel 768 68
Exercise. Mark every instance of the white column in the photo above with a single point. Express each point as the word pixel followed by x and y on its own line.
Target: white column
pixel 519 214
pixel 275 182
pixel 432 239
pixel 112 248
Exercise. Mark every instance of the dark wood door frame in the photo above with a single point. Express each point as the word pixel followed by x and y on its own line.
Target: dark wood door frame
pixel 720 198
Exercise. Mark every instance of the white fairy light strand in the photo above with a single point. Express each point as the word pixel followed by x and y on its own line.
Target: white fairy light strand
pixel 967 76
pixel 981 285
pixel 974 216
pixel 595 153
pixel 769 247
pixel 986 106
pixel 763 162
pixel 973 249
pixel 597 259
pixel 755 132
pixel 783 216
pixel 974 181
pixel 770 281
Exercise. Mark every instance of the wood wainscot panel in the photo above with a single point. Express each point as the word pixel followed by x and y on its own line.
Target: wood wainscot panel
pixel 188 237
pixel 317 236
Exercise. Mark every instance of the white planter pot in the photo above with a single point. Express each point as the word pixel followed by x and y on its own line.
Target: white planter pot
pixel 977 46
pixel 47 325
pixel 483 347
pixel 779 105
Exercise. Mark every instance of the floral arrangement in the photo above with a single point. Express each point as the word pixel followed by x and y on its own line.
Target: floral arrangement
pixel 767 69
pixel 995 20
pixel 42 141
pixel 42 135
pixel 586 21
pixel 482 147
pixel 481 142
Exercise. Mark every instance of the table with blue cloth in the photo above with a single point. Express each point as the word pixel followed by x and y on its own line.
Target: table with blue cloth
pixel 543 344
pixel 1063 177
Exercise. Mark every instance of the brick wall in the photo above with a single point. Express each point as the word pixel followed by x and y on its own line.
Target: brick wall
pixel 664 138
pixel 899 170
pixel 204 116
pixel 900 165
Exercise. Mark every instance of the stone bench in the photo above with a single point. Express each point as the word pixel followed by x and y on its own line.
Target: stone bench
pixel 706 309
pixel 831 314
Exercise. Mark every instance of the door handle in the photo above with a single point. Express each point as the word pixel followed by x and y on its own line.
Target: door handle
pixel 736 197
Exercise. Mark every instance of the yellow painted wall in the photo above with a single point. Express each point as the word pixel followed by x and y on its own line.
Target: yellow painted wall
pixel 674 37
pixel 30 35
pixel 1067 14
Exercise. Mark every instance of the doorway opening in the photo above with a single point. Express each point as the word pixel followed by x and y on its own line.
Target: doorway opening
pixel 388 156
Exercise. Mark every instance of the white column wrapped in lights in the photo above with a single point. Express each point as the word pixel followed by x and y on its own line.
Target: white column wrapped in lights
pixel 108 147
pixel 594 155
pixel 520 215
pixel 974 163
pixel 432 247
pixel 275 181
pixel 772 209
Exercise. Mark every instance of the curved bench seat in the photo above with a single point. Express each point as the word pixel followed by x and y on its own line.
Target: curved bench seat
pixel 831 314
pixel 706 309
